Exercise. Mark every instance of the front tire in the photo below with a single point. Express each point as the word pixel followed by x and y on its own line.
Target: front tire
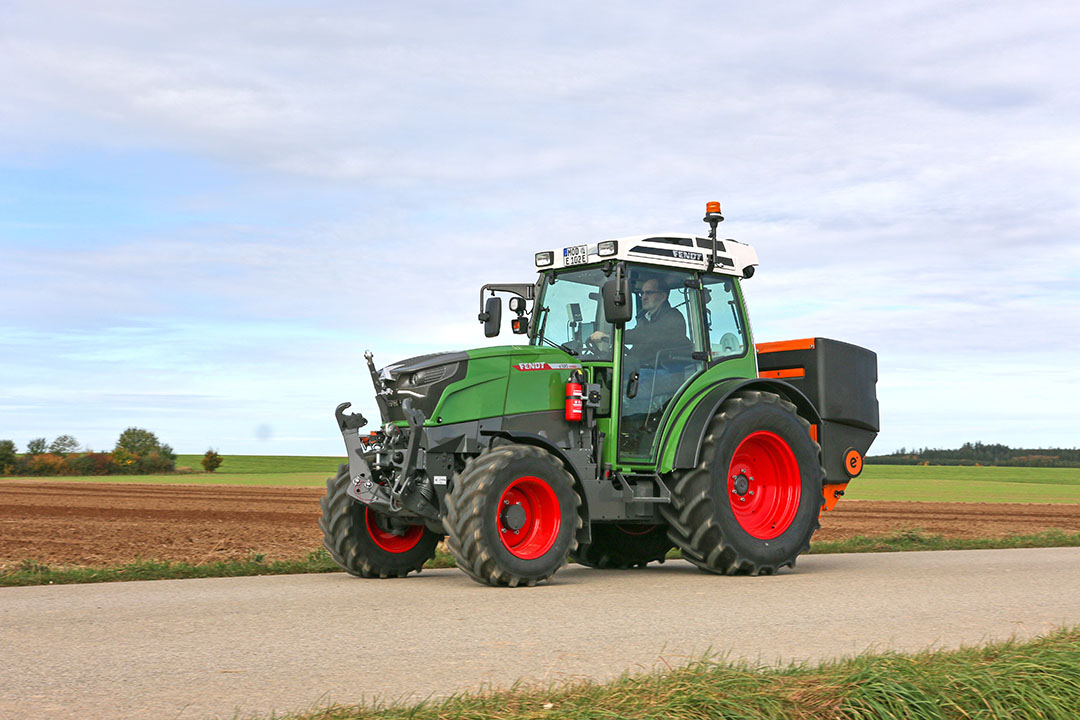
pixel 362 542
pixel 512 516
pixel 752 504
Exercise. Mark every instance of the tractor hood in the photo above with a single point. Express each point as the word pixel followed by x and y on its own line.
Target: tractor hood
pixel 474 384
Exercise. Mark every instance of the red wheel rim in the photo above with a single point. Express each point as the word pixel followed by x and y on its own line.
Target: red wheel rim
pixel 530 535
pixel 764 485
pixel 387 540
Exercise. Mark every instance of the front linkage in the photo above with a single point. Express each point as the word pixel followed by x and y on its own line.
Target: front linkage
pixel 383 465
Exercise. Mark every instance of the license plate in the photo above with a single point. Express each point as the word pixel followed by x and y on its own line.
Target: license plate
pixel 575 255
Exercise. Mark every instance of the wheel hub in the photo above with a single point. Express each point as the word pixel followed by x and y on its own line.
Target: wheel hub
pixel 514 517
pixel 741 485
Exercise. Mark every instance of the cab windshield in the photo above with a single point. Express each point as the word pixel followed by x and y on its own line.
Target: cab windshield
pixel 570 310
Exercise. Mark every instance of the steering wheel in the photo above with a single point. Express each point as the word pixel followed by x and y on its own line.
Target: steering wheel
pixel 597 349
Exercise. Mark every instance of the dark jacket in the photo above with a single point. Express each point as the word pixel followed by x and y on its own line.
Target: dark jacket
pixel 666 331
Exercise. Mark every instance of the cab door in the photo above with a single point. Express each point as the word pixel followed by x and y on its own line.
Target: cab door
pixel 725 324
pixel 663 349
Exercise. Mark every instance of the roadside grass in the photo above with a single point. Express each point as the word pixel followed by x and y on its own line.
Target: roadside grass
pixel 915 540
pixel 31 572
pixel 1039 678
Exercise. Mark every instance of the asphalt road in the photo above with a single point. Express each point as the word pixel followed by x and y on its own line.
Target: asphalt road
pixel 211 648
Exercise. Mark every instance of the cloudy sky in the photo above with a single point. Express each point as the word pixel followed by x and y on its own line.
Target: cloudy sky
pixel 209 210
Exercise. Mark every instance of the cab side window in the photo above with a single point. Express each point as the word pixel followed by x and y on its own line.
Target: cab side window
pixel 723 318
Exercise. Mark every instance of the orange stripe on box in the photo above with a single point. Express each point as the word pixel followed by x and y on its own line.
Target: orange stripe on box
pixel 788 373
pixel 782 345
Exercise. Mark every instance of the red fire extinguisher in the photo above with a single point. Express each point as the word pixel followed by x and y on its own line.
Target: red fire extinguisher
pixel 575 397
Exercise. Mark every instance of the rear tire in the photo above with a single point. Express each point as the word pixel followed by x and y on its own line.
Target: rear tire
pixel 360 541
pixel 752 504
pixel 624 546
pixel 512 516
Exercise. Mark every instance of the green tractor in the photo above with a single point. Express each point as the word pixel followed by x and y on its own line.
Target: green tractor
pixel 636 416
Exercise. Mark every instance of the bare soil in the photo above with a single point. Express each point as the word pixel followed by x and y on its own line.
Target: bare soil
pixel 109 524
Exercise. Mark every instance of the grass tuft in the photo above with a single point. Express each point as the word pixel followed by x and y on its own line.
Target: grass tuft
pixel 909 540
pixel 1035 679
pixel 31 572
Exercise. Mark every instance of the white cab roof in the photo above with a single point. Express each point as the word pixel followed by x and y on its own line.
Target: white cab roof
pixel 673 250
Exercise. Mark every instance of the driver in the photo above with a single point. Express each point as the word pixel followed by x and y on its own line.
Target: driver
pixel 659 326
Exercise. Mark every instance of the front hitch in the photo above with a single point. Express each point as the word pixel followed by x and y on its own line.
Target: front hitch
pixel 363 487
pixel 387 495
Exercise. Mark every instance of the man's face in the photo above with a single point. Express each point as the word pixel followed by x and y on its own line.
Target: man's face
pixel 652 295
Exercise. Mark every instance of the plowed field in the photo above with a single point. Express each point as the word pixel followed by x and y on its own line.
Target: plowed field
pixel 107 524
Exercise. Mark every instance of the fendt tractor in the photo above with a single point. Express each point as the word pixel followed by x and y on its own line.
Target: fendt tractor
pixel 638 417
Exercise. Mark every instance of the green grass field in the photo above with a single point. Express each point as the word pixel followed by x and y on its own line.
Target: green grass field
pixel 265 464
pixel 931 483
pixel 878 482
pixel 288 470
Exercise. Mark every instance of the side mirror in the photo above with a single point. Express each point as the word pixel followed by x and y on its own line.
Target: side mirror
pixel 618 304
pixel 492 316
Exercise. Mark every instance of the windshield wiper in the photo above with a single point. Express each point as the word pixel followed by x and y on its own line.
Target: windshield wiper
pixel 541 315
pixel 568 350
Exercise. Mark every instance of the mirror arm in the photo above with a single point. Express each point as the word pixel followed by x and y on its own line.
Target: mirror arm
pixel 525 290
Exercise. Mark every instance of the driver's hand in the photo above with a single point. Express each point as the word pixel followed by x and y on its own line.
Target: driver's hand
pixel 598 337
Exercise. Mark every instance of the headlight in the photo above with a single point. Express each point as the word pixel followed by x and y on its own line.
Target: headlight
pixel 543 259
pixel 608 247
pixel 432 374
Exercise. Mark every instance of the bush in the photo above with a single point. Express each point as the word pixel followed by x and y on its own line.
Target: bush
pixel 92 464
pixel 64 445
pixel 156 462
pixel 138 441
pixel 48 464
pixel 151 455
pixel 211 461
pixel 36 446
pixel 125 461
pixel 7 456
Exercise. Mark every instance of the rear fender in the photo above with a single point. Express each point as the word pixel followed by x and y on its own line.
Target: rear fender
pixel 687 450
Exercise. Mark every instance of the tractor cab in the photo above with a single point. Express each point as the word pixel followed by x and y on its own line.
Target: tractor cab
pixel 645 317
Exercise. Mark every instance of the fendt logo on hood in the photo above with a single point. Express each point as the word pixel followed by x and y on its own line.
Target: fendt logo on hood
pixel 547 366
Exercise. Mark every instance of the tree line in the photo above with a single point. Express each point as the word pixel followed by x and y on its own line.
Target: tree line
pixel 137 452
pixel 978 453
